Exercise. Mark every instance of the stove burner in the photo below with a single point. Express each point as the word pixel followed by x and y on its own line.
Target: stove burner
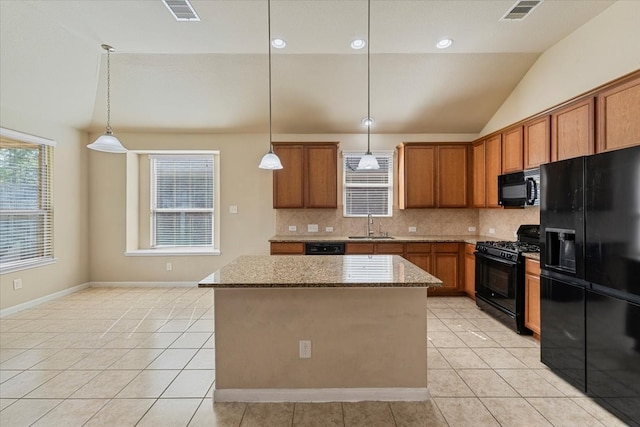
pixel 517 247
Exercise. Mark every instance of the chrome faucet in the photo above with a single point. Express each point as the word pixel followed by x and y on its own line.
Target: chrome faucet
pixel 369 225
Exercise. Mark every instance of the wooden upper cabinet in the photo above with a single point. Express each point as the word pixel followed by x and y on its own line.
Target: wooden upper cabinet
pixel 288 183
pixel 309 177
pixel 453 187
pixel 478 172
pixel 619 116
pixel 512 158
pixel 537 142
pixel 493 168
pixel 433 175
pixel 572 133
pixel 417 183
pixel 321 175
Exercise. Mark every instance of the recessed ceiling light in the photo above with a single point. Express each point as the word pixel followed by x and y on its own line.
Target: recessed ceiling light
pixel 444 43
pixel 278 43
pixel 358 44
pixel 368 121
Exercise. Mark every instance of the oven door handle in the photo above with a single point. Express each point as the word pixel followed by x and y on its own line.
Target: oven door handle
pixel 493 258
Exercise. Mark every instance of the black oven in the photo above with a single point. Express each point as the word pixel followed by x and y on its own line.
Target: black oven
pixel 497 285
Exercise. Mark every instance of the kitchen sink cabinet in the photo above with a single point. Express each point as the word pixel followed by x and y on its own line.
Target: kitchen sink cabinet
pixel 512 150
pixel 309 177
pixel 287 248
pixel 618 116
pixel 532 296
pixel 537 142
pixel 572 130
pixel 433 175
pixel 470 270
pixel 381 248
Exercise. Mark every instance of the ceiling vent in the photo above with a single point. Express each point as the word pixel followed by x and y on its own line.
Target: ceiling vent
pixel 520 10
pixel 181 10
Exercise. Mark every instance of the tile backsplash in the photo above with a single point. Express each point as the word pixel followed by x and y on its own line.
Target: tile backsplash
pixel 428 222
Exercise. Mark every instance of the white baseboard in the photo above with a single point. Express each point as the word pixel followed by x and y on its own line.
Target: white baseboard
pixel 408 394
pixel 143 284
pixel 38 301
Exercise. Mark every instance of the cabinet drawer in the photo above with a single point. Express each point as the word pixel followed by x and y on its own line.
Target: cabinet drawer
pixel 532 266
pixel 446 247
pixel 287 248
pixel 390 248
pixel 359 248
pixel 418 248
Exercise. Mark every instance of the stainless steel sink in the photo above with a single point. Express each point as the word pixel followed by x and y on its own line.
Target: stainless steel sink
pixel 372 237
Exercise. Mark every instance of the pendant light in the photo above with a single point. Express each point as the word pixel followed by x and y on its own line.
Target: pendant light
pixel 368 161
pixel 270 160
pixel 108 143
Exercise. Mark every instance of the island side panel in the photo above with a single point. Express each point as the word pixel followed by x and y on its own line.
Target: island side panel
pixel 361 338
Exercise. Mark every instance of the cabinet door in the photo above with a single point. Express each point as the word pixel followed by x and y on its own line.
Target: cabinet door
pixel 452 176
pixel 287 248
pixel 572 130
pixel 479 184
pixel 359 248
pixel 537 142
pixel 445 263
pixel 388 248
pixel 470 271
pixel 288 187
pixel 619 116
pixel 512 150
pixel 532 295
pixel 419 177
pixel 421 260
pixel 493 168
pixel 321 177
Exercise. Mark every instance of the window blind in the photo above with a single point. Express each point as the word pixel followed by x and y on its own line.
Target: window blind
pixel 26 210
pixel 367 191
pixel 182 196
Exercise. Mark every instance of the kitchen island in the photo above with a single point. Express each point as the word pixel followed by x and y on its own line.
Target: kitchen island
pixel 364 319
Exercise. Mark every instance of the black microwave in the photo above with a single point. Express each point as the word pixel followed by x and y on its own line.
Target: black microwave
pixel 519 189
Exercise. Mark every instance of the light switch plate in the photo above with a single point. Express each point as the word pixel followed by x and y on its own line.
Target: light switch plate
pixel 328 229
pixel 293 228
pixel 412 229
pixel 312 228
pixel 233 209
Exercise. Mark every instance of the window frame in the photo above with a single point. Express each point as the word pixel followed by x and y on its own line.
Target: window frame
pixel 389 186
pixel 45 210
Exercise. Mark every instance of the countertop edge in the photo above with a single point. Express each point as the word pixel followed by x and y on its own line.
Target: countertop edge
pixel 471 239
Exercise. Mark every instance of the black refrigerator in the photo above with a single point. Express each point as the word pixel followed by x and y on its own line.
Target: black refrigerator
pixel 590 278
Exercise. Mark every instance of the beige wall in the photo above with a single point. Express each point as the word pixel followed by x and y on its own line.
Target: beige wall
pixel 70 210
pixel 602 50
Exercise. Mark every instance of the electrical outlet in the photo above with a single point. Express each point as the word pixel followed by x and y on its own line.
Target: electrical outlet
pixel 17 284
pixel 304 349
pixel 233 209
pixel 328 229
pixel 492 231
pixel 169 266
pixel 412 229
pixel 312 228
pixel 293 228
pixel 472 229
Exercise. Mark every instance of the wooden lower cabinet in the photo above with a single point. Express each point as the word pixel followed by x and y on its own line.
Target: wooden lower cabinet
pixel 532 296
pixel 382 248
pixel 287 248
pixel 442 260
pixel 470 270
pixel 420 255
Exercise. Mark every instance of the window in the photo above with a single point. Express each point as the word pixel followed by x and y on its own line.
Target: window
pixel 26 211
pixel 368 191
pixel 182 200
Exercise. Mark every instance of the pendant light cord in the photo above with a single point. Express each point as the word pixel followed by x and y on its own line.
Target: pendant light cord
pixel 109 90
pixel 269 25
pixel 369 77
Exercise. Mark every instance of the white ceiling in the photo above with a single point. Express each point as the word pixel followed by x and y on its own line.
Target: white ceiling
pixel 212 75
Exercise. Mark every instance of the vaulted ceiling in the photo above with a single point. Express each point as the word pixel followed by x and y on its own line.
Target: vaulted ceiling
pixel 212 75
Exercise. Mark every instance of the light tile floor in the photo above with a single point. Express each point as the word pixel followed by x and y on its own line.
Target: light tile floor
pixel 144 357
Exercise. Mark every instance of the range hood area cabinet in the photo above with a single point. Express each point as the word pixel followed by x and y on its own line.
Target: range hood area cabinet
pixel 433 175
pixel 309 177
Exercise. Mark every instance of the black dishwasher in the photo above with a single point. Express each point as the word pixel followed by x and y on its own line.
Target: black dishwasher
pixel 324 248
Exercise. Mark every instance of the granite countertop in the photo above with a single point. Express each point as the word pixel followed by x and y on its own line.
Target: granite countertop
pixel 532 255
pixel 473 239
pixel 308 271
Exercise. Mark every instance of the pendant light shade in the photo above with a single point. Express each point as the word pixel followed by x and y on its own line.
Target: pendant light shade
pixel 108 143
pixel 270 160
pixel 368 161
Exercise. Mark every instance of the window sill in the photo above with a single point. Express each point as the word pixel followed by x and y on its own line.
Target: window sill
pixel 172 252
pixel 27 266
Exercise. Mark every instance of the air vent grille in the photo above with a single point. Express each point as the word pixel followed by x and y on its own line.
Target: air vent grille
pixel 181 10
pixel 520 10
